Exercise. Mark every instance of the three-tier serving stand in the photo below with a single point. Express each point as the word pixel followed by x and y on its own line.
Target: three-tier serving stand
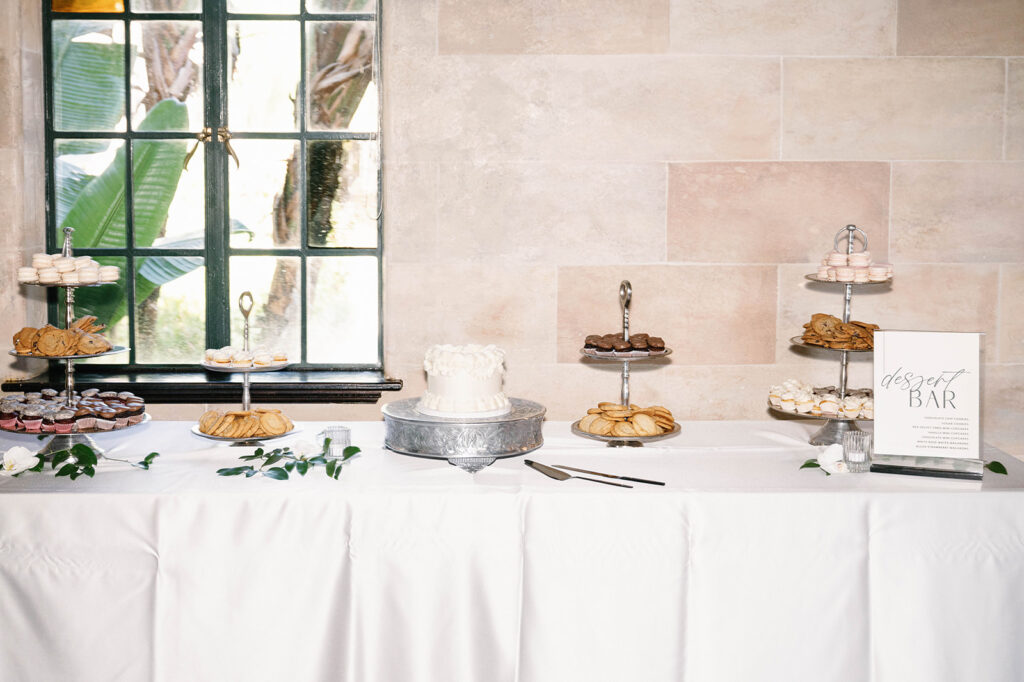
pixel 835 426
pixel 625 300
pixel 64 441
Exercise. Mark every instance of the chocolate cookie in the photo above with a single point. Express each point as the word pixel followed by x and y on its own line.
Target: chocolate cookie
pixel 655 343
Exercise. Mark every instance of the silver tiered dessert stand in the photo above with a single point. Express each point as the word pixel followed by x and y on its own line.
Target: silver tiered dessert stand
pixel 245 303
pixel 835 426
pixel 64 441
pixel 625 299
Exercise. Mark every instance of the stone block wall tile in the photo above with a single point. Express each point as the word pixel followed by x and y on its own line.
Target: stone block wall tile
pixel 1011 307
pixel 1015 110
pixel 10 103
pixel 958 212
pixel 773 212
pixel 1002 407
pixel 955 27
pixel 30 25
pixel 944 297
pixel 786 27
pixel 919 108
pixel 409 30
pixel 574 108
pixel 510 305
pixel 565 27
pixel 410 213
pixel 552 213
pixel 708 315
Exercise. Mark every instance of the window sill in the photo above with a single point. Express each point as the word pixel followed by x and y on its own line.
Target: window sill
pixel 192 386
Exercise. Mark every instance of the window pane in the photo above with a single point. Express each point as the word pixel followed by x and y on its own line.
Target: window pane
pixel 169 67
pixel 89 177
pixel 339 73
pixel 275 322
pixel 327 6
pixel 170 305
pixel 166 5
pixel 108 303
pixel 88 75
pixel 88 6
pixel 168 201
pixel 342 190
pixel 263 75
pixel 264 6
pixel 342 309
pixel 263 192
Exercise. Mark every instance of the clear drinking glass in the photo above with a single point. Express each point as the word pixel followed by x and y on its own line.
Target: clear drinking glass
pixel 341 438
pixel 857 451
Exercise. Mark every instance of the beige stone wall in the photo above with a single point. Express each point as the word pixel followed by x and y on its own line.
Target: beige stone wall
pixel 539 152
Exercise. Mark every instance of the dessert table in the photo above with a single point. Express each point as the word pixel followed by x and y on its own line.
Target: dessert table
pixel 742 567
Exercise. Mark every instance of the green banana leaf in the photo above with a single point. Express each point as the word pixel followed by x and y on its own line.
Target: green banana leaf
pixel 98 214
pixel 88 88
pixel 71 180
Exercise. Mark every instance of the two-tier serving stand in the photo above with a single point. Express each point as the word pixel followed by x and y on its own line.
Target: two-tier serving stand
pixel 625 358
pixel 65 441
pixel 835 426
pixel 245 303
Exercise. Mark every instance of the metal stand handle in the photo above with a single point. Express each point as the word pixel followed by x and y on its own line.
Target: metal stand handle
pixel 625 298
pixel 245 303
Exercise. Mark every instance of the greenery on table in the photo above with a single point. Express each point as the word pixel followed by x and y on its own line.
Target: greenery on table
pixel 293 462
pixel 80 460
pixel 813 464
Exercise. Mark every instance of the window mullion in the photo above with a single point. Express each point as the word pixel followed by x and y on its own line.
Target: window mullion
pixel 218 324
pixel 129 196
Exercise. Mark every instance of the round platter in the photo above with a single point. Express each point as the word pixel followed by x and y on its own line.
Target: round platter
pixel 815 278
pixel 90 432
pixel 821 417
pixel 625 439
pixel 798 341
pixel 241 441
pixel 245 370
pixel 113 351
pixel 410 432
pixel 62 285
pixel 632 356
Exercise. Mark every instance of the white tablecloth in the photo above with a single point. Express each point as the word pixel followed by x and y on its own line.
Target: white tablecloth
pixel 742 568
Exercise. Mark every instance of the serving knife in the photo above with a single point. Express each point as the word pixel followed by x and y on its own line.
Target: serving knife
pixel 598 473
pixel 562 476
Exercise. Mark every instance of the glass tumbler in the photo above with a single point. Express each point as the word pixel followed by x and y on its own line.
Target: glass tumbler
pixel 341 438
pixel 857 451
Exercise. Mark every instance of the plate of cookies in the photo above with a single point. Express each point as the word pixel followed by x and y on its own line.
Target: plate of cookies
pixel 640 346
pixel 612 423
pixel 81 340
pixel 828 331
pixel 244 426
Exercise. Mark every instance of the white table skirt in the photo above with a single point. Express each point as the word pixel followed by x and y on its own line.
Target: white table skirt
pixel 742 568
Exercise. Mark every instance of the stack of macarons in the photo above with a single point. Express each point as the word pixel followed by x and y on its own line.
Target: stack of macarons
pixel 230 356
pixel 57 269
pixel 853 267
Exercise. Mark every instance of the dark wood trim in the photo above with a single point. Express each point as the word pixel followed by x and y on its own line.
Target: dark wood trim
pixel 192 386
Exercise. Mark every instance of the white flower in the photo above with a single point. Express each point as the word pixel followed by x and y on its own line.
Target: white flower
pixel 18 459
pixel 305 449
pixel 831 460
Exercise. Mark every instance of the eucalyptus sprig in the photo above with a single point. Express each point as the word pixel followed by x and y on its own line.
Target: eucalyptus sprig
pixel 80 460
pixel 293 463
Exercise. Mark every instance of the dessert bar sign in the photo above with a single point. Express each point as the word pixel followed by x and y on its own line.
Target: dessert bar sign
pixel 927 394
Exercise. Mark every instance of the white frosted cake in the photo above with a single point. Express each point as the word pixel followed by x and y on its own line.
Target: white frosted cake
pixel 464 381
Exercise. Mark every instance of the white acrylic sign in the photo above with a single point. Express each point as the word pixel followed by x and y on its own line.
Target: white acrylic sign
pixel 927 394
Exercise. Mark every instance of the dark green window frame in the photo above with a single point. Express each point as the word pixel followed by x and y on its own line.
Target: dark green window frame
pixel 302 382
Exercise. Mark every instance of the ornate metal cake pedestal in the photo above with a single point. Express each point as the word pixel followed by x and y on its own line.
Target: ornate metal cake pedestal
pixel 468 443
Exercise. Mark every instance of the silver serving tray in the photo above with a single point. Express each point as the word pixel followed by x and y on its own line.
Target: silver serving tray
pixel 632 356
pixel 245 370
pixel 251 440
pixel 815 278
pixel 146 417
pixel 113 351
pixel 633 441
pixel 822 417
pixel 799 341
pixel 409 432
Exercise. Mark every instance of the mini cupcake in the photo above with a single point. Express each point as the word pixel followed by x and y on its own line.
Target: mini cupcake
pixel 121 413
pixel 105 418
pixel 49 393
pixel 64 421
pixel 829 404
pixel 49 420
pixel 867 410
pixel 90 392
pixel 136 412
pixel 8 416
pixel 125 395
pixel 107 395
pixel 85 419
pixel 803 403
pixel 775 396
pixel 850 407
pixel 787 401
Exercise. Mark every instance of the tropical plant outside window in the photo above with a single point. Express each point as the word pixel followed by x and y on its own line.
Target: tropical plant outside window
pixel 281 197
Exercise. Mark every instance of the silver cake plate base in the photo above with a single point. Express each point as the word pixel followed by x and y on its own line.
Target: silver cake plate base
pixel 470 443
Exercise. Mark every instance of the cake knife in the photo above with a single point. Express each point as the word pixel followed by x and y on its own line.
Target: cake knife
pixel 562 476
pixel 598 473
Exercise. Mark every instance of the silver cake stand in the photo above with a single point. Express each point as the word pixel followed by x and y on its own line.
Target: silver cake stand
pixel 466 442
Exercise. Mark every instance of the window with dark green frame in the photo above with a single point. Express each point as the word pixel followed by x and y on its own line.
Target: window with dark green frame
pixel 251 131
